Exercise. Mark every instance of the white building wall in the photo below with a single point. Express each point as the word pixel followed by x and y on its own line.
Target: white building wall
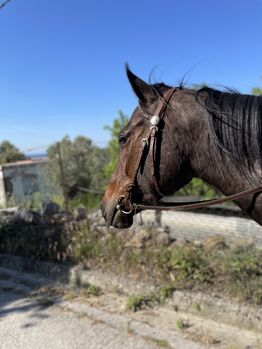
pixel 2 188
pixel 22 179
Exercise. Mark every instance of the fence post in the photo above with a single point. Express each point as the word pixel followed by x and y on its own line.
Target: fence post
pixel 62 175
pixel 158 216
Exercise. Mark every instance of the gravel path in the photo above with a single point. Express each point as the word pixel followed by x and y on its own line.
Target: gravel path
pixel 27 321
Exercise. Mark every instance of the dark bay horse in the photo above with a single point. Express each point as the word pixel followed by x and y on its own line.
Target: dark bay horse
pixel 208 134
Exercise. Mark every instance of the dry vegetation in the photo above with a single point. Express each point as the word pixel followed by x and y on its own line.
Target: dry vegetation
pixel 233 271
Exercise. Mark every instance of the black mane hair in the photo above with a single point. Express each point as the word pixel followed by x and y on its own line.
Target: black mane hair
pixel 236 124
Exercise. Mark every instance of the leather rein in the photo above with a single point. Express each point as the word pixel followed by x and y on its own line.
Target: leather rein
pixel 148 144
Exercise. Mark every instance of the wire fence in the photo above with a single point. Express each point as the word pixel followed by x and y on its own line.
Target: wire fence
pixel 197 225
pixel 4 4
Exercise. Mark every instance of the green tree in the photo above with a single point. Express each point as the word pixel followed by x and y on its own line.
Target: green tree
pixel 82 163
pixel 257 90
pixel 197 187
pixel 9 153
pixel 113 145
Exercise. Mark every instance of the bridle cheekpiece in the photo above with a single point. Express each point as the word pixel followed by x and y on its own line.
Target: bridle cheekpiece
pixel 147 143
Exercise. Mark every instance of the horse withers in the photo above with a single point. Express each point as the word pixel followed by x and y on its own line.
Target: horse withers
pixel 176 134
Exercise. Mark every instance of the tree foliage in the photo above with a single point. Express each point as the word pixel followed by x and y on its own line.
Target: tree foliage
pixel 9 153
pixel 113 145
pixel 257 91
pixel 82 163
pixel 198 188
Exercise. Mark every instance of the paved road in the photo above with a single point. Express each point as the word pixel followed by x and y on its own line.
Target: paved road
pixel 27 321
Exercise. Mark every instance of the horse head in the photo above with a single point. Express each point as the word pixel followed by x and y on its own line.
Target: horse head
pixel 144 176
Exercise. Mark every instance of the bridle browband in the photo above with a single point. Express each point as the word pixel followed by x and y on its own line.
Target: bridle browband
pixel 148 143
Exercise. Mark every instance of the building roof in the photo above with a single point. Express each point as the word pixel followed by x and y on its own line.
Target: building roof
pixel 27 162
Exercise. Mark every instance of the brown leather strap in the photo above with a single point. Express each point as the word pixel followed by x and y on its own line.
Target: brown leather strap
pixel 136 167
pixel 152 160
pixel 164 102
pixel 160 112
pixel 177 206
pixel 149 140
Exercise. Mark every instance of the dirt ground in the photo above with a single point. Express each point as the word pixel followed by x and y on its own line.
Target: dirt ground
pixel 184 321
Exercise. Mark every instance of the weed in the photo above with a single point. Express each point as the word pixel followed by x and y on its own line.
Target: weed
pixel 136 303
pixel 243 262
pixel 190 265
pixel 92 290
pixel 196 307
pixel 161 343
pixel 166 292
pixel 182 325
pixel 117 290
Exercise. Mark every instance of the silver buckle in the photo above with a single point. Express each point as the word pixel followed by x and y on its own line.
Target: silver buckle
pixel 154 120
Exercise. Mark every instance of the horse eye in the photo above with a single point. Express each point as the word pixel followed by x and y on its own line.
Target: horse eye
pixel 122 139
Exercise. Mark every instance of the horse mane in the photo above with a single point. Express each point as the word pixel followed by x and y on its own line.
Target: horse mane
pixel 235 124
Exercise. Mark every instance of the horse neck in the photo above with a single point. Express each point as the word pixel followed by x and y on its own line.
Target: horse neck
pixel 210 163
pixel 217 170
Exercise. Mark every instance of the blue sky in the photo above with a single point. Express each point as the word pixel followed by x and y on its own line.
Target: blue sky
pixel 62 62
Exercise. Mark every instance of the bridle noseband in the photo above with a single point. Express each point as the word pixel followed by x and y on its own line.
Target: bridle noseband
pixel 149 143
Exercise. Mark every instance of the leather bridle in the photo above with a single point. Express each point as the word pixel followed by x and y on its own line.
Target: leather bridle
pixel 148 145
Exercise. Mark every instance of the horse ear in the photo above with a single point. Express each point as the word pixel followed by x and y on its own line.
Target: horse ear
pixel 142 90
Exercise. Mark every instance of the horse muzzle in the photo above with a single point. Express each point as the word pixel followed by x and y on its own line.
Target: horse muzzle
pixel 116 215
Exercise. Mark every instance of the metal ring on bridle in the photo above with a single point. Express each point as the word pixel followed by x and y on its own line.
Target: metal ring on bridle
pixel 119 208
pixel 154 128
pixel 126 212
pixel 144 140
